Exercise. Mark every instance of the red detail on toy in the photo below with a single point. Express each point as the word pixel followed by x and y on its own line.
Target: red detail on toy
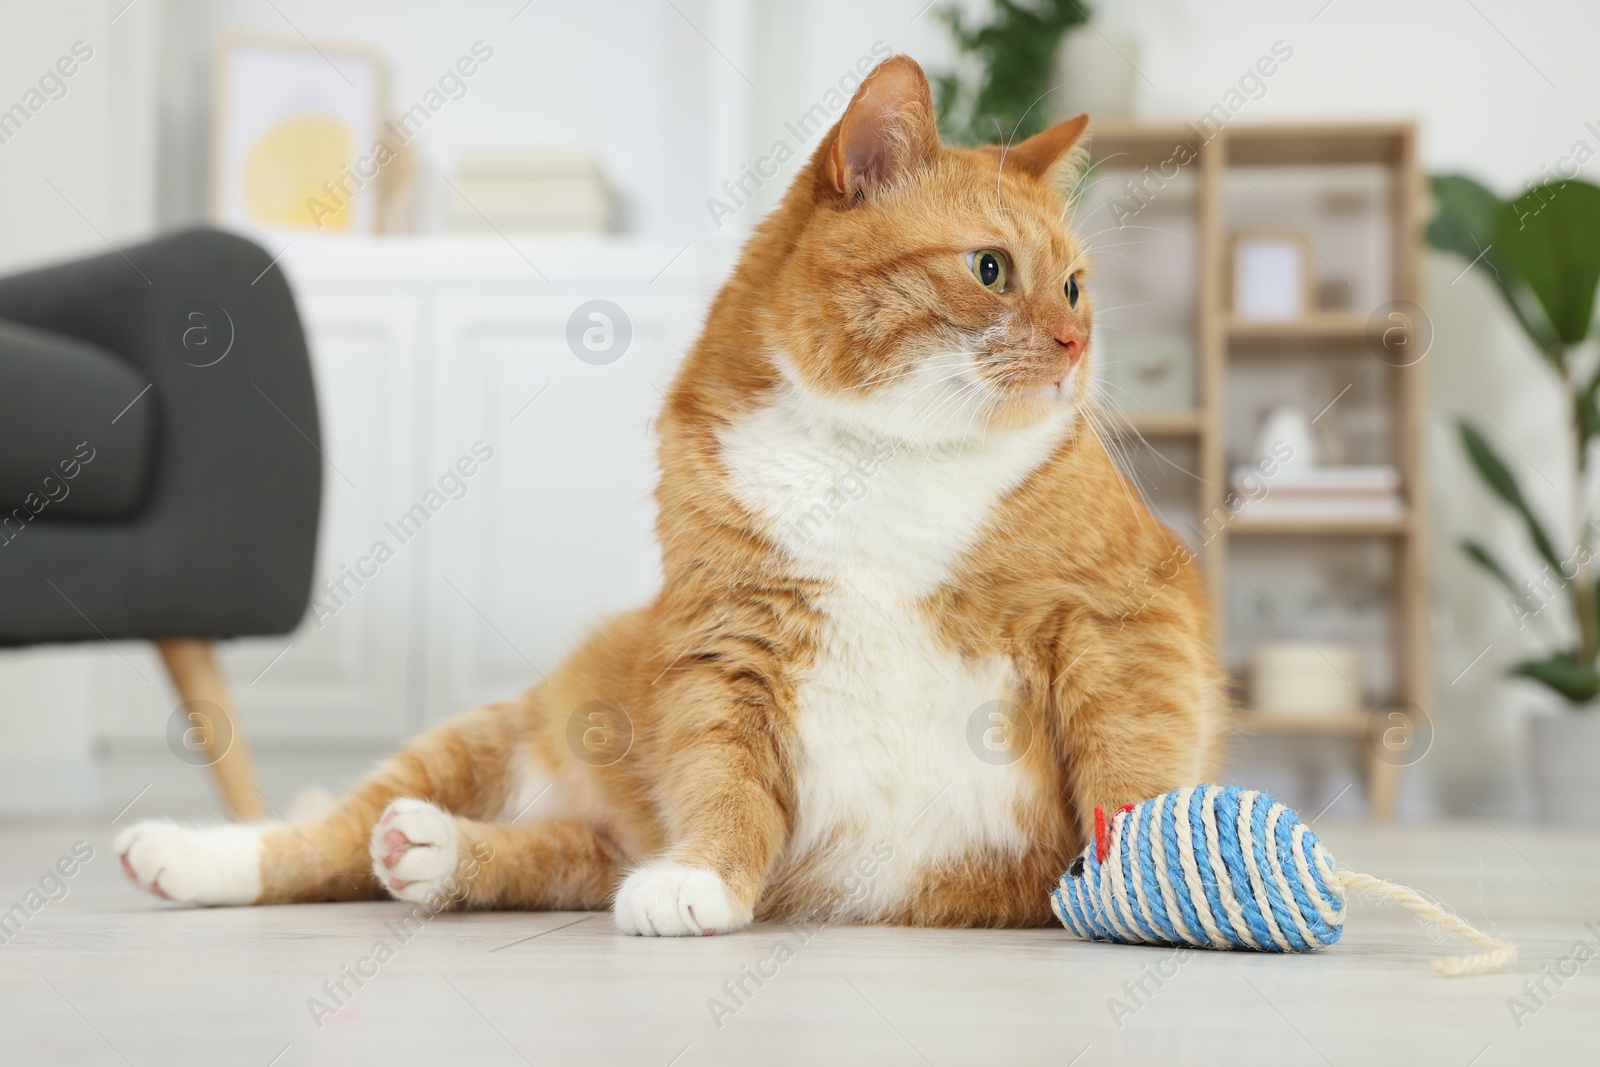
pixel 1125 807
pixel 1102 840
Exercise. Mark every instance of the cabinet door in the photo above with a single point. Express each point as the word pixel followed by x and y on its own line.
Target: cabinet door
pixel 344 671
pixel 554 532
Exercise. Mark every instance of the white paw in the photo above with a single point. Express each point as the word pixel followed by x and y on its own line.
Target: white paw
pixel 193 864
pixel 665 899
pixel 415 851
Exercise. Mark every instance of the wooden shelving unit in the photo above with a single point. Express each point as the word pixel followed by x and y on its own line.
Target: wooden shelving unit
pixel 1249 525
pixel 1323 326
pixel 1219 340
pixel 1164 423
pixel 1351 724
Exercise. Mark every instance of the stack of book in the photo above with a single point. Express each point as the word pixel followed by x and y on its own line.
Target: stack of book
pixel 531 191
pixel 1343 493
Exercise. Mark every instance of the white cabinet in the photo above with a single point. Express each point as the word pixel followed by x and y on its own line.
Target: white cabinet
pixel 556 531
pixel 486 492
pixel 345 671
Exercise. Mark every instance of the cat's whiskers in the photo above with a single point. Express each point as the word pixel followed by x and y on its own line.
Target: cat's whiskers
pixel 985 409
pixel 1069 212
pixel 1133 430
pixel 907 437
pixel 951 404
pixel 1006 145
pixel 951 374
pixel 1126 244
pixel 1076 193
pixel 1092 417
pixel 939 441
pixel 1113 252
pixel 1125 307
pixel 957 366
pixel 925 418
pixel 1136 226
pixel 884 425
pixel 1079 191
pixel 1004 148
pixel 917 365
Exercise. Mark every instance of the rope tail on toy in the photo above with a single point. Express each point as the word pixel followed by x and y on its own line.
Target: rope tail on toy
pixel 1497 953
pixel 1224 867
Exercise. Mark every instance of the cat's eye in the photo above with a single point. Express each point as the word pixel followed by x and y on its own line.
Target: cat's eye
pixel 1072 290
pixel 988 265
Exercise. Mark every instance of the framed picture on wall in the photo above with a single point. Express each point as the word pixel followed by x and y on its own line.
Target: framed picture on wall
pixel 1272 278
pixel 296 142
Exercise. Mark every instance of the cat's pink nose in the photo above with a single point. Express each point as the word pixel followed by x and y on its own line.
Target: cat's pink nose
pixel 1070 336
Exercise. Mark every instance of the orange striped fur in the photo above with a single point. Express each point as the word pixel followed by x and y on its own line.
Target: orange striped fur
pixel 915 625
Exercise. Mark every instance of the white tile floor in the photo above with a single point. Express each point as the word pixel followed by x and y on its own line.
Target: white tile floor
pixel 107 976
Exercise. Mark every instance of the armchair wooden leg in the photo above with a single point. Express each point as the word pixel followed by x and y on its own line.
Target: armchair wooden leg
pixel 194 671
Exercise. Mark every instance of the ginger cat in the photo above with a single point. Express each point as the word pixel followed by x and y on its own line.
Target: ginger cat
pixel 915 625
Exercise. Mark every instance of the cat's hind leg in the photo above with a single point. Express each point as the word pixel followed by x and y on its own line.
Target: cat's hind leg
pixel 423 854
pixel 471 765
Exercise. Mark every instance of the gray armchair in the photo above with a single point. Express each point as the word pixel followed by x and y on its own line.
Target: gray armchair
pixel 160 463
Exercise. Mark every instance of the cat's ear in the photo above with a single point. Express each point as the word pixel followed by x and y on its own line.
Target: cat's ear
pixel 887 132
pixel 1054 155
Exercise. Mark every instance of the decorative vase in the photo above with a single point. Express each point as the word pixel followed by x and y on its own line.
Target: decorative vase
pixel 1565 750
pixel 1288 427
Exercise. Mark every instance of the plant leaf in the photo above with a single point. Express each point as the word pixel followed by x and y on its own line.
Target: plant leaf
pixel 1465 219
pixel 1588 412
pixel 1550 238
pixel 1578 682
pixel 1597 602
pixel 1483 558
pixel 1498 477
pixel 1011 51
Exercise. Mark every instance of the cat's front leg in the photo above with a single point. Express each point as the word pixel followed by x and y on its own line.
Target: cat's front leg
pixel 1145 712
pixel 721 794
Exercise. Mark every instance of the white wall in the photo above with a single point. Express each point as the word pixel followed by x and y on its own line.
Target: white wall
pixel 94 144
pixel 1482 105
pixel 77 175
pixel 635 79
pixel 630 79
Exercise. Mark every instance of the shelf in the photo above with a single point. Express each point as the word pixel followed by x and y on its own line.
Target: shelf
pixel 1341 327
pixel 1299 145
pixel 1134 145
pixel 1280 724
pixel 1159 423
pixel 1264 144
pixel 1319 527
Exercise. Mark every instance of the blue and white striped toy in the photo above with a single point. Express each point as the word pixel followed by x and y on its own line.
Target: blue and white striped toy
pixel 1224 867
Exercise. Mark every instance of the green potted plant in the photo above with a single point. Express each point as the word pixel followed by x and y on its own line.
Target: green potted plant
pixel 1541 251
pixel 1013 52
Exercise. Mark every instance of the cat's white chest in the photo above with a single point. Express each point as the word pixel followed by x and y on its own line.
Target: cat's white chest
pixel 887 764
